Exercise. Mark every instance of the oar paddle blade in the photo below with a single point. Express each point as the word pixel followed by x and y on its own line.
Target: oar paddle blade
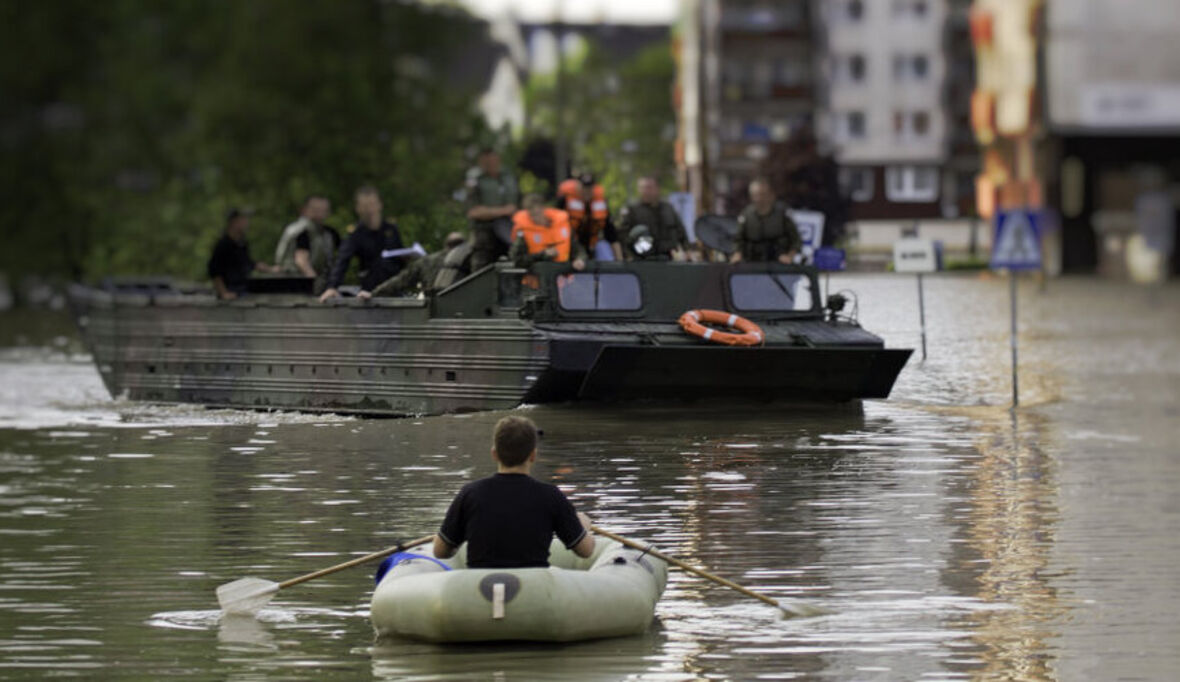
pixel 246 595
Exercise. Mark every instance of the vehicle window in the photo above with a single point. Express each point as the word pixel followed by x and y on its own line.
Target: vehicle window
pixel 599 291
pixel 771 291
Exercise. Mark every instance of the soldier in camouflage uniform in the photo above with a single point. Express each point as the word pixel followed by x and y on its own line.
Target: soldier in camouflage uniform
pixel 491 201
pixel 765 231
pixel 431 273
pixel 669 238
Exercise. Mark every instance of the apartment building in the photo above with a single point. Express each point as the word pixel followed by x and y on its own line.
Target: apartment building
pixel 886 116
pixel 747 81
pixel 885 85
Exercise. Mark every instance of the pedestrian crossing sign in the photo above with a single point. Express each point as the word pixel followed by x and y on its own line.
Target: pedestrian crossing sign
pixel 1016 244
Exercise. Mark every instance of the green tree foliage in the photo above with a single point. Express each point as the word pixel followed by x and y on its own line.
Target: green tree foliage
pixel 128 127
pixel 618 120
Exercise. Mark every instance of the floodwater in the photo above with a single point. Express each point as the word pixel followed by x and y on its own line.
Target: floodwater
pixel 948 537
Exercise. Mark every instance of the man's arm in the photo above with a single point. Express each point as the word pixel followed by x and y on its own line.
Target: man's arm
pixel 490 212
pixel 443 549
pixel 453 530
pixel 584 547
pixel 303 262
pixel 223 292
pixel 739 239
pixel 578 255
pixel 681 232
pixel 521 258
pixel 402 282
pixel 347 249
pixel 791 241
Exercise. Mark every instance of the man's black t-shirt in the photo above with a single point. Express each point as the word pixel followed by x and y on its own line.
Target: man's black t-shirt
pixel 371 248
pixel 231 262
pixel 303 241
pixel 508 521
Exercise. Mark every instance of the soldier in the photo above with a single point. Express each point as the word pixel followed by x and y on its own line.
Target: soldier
pixel 372 241
pixel 432 273
pixel 491 199
pixel 669 239
pixel 765 231
pixel 230 265
pixel 308 246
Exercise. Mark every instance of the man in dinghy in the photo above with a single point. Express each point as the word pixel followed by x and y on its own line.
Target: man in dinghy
pixel 508 519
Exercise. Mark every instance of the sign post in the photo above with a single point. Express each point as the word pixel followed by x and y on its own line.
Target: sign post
pixel 1016 246
pixel 918 256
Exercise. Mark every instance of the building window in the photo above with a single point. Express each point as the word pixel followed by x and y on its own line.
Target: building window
pixel 908 125
pixel 910 9
pixel 910 67
pixel 920 66
pixel 911 183
pixel 855 9
pixel 921 123
pixel 857 183
pixel 856 68
pixel 854 125
pixel 849 69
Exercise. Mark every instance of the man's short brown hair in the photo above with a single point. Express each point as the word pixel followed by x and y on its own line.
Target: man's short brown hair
pixel 514 439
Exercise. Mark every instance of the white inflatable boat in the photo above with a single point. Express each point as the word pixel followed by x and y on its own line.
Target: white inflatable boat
pixel 612 593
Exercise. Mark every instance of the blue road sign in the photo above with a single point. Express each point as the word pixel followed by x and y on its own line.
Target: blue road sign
pixel 1016 244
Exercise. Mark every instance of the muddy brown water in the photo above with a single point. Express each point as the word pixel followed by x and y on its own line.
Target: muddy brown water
pixel 948 537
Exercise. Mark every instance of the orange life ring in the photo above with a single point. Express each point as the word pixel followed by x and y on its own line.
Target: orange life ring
pixel 751 333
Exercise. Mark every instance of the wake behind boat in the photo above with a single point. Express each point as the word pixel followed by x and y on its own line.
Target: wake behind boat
pixel 493 340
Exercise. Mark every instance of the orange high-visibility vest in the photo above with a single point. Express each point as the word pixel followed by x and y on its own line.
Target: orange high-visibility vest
pixel 590 229
pixel 541 237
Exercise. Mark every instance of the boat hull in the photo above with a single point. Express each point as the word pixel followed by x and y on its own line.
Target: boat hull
pixel 384 359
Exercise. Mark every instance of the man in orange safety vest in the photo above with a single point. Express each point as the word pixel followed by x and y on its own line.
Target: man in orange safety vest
pixel 540 233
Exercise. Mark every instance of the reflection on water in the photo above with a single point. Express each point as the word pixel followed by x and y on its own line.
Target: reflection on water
pixel 948 538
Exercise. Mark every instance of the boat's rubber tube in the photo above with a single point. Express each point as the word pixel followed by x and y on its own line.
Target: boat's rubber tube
pixel 612 594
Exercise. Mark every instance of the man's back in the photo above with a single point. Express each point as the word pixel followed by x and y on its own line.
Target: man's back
pixel 508 521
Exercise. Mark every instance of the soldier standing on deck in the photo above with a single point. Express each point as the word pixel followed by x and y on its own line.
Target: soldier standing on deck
pixel 491 201
pixel 669 239
pixel 765 231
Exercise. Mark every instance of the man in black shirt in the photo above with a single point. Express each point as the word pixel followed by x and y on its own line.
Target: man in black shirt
pixel 371 240
pixel 509 519
pixel 230 265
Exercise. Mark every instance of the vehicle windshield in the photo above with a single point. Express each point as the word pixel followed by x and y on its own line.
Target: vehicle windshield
pixel 771 291
pixel 599 291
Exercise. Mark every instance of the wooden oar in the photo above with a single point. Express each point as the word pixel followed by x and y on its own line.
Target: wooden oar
pixel 246 595
pixel 790 608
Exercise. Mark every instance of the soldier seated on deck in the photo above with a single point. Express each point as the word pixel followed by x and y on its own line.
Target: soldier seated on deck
pixel 540 234
pixel 431 273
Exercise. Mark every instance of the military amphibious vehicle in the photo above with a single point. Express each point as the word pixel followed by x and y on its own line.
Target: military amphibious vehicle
pixel 493 340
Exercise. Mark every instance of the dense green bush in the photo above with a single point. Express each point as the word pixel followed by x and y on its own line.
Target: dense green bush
pixel 128 127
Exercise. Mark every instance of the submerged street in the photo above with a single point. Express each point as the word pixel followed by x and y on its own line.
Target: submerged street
pixel 949 537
